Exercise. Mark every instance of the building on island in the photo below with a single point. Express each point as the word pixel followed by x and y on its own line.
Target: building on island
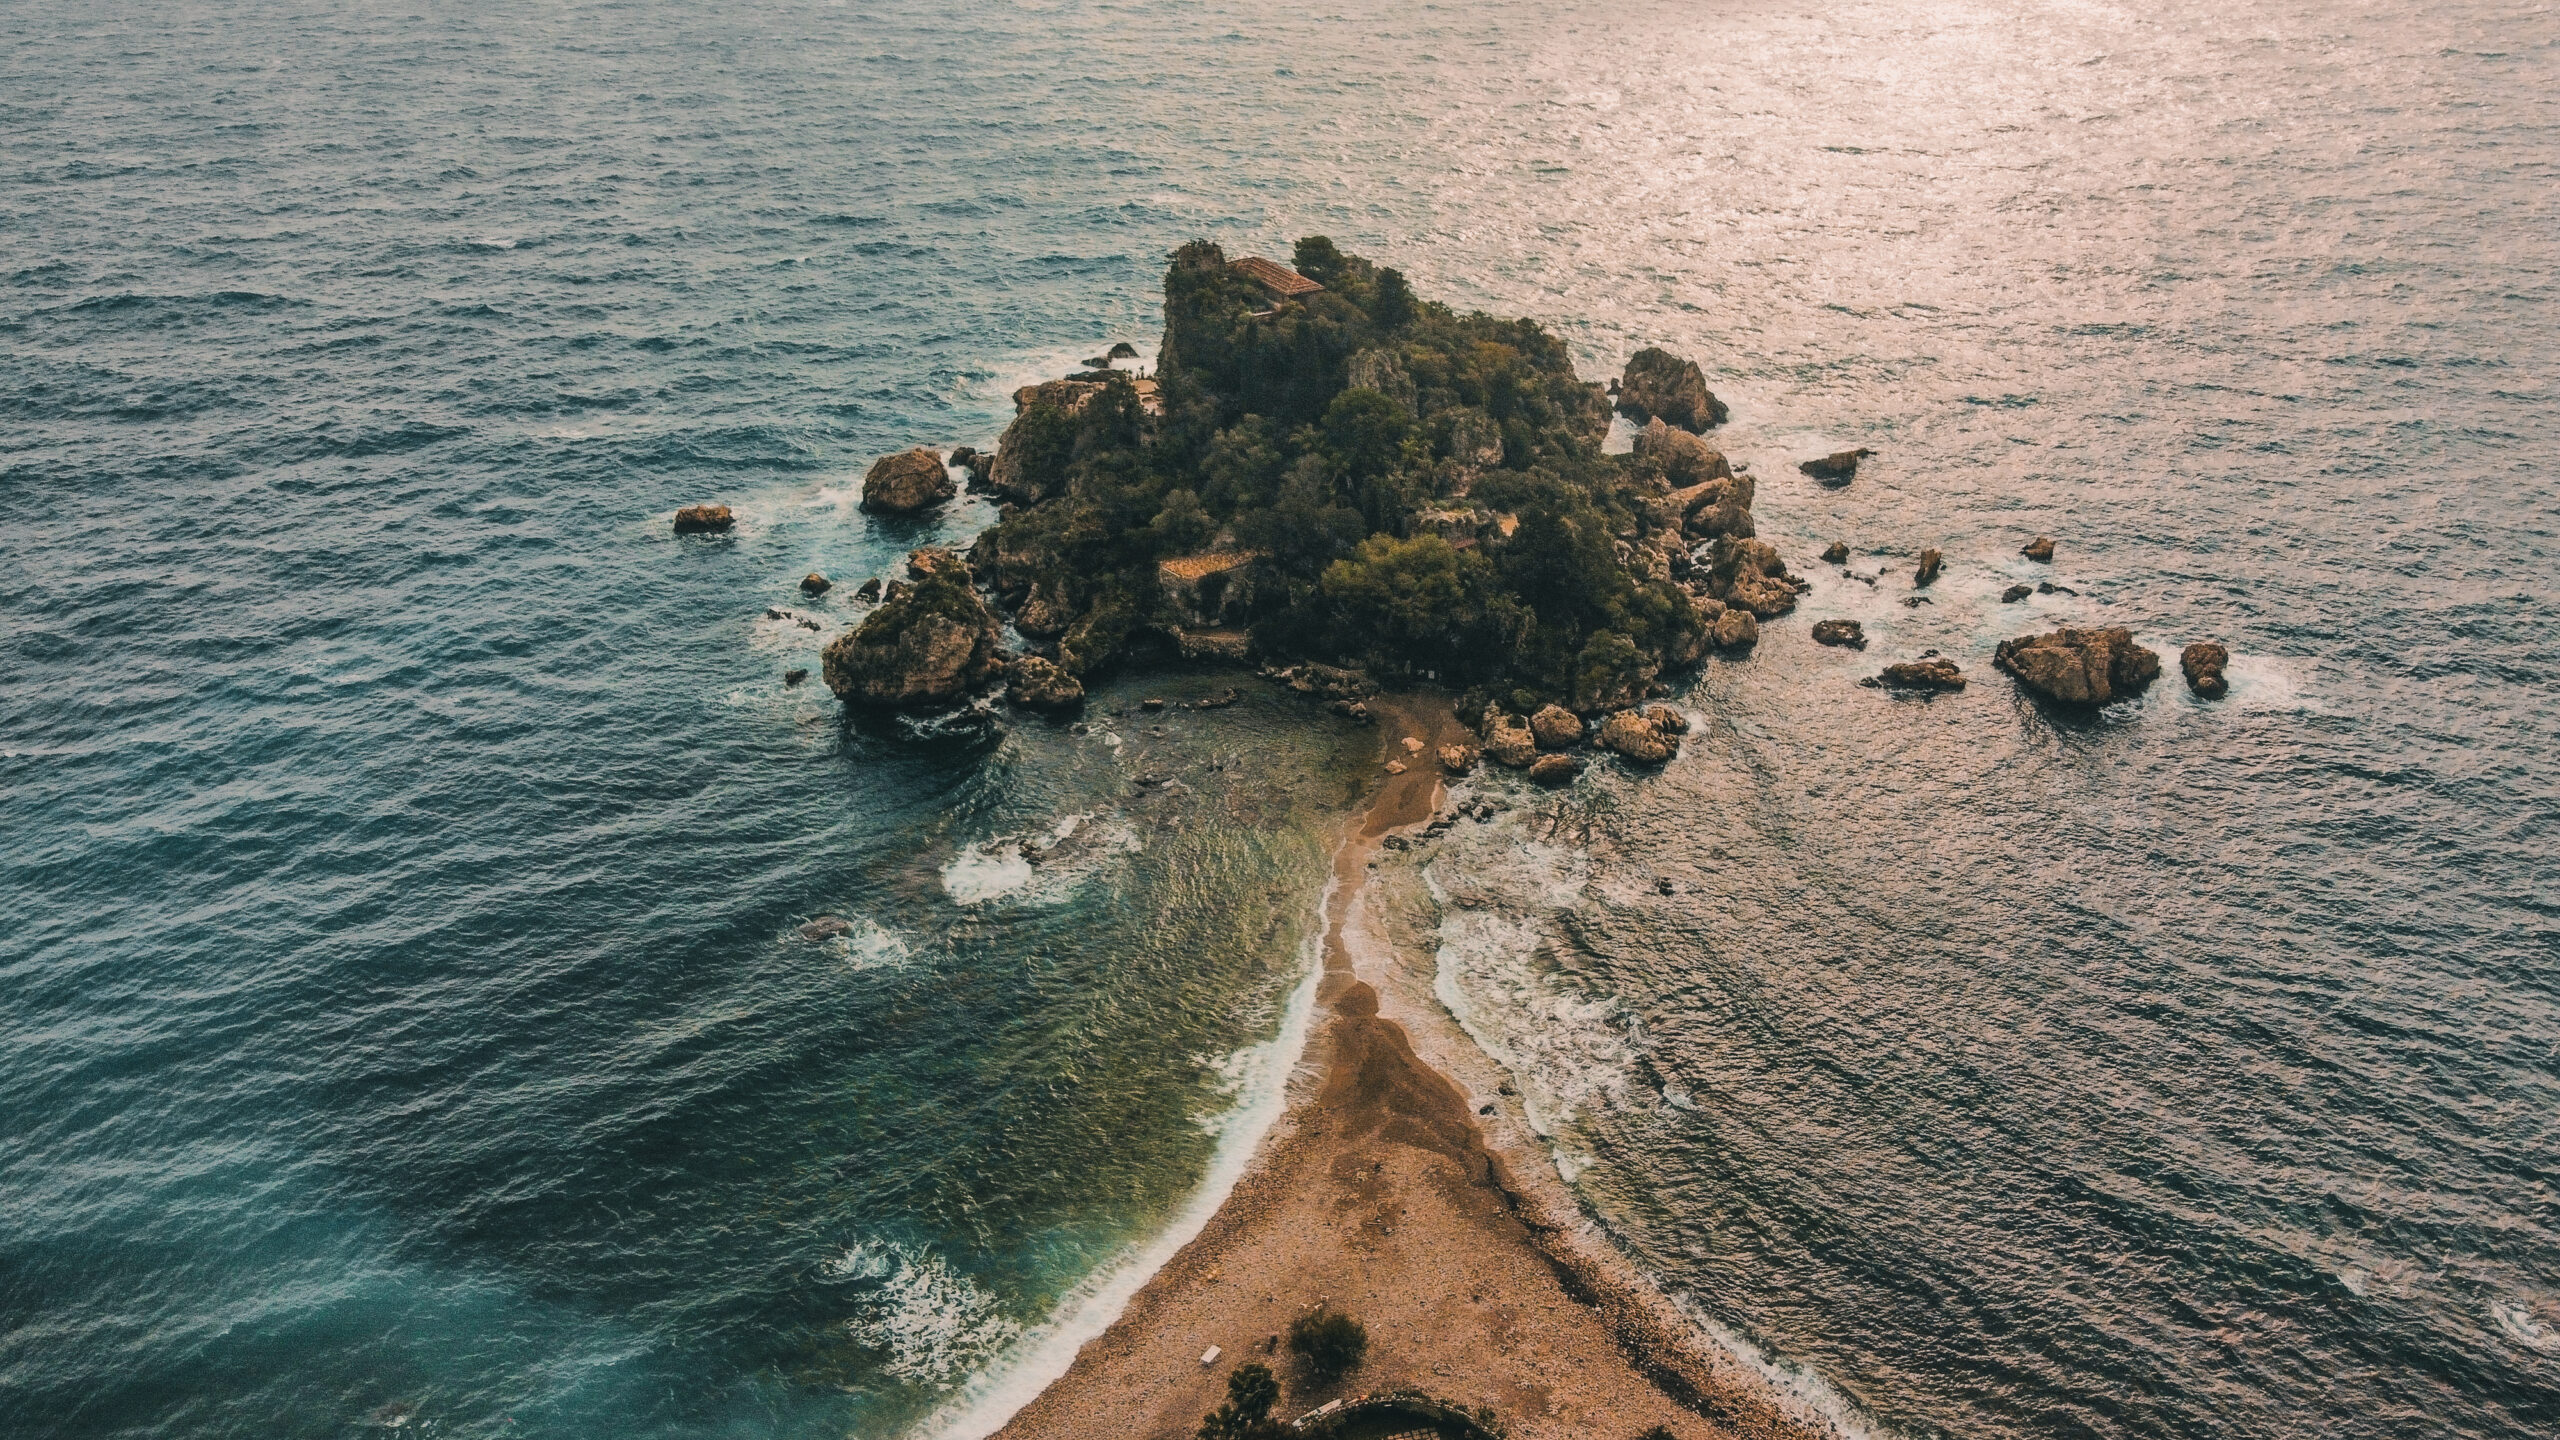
pixel 1278 280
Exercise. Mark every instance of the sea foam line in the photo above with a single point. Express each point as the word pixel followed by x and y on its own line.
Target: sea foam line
pixel 1035 1361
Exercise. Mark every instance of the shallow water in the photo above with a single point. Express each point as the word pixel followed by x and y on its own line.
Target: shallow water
pixel 406 1021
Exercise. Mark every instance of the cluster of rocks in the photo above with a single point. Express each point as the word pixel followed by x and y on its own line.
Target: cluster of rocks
pixel 1540 744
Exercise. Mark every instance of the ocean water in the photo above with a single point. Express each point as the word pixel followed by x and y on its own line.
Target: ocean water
pixel 406 1021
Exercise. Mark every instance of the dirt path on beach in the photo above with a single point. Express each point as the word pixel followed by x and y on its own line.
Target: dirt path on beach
pixel 1378 1195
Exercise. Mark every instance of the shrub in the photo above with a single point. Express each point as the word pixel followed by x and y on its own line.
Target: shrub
pixel 1331 1343
pixel 1251 1392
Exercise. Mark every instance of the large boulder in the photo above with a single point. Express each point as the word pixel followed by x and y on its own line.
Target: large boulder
pixel 1716 508
pixel 927 646
pixel 704 520
pixel 907 482
pixel 1667 720
pixel 2203 664
pixel 1635 736
pixel 1837 468
pixel 1659 383
pixel 1747 574
pixel 1556 727
pixel 1555 771
pixel 1035 682
pixel 1684 458
pixel 1507 739
pixel 2079 667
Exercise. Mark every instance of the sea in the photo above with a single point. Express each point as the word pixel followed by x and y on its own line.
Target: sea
pixel 453 984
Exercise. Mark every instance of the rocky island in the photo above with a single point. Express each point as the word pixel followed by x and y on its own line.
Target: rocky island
pixel 1328 468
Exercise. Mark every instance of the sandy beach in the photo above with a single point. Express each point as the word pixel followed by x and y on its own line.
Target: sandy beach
pixel 1380 1194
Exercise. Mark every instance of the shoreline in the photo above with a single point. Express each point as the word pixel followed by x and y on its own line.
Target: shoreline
pixel 1376 1191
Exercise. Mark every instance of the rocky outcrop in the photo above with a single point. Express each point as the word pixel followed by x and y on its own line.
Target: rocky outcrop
pixel 795 675
pixel 1840 632
pixel 1667 720
pixel 927 646
pixel 907 483
pixel 1931 673
pixel 1659 383
pixel 814 584
pixel 1747 574
pixel 2203 664
pixel 1927 573
pixel 1507 739
pixel 704 520
pixel 2039 550
pixel 2079 667
pixel 1837 554
pixel 1030 458
pixel 1684 459
pixel 1837 468
pixel 1635 736
pixel 869 593
pixel 1556 727
pixel 1457 759
pixel 1726 627
pixel 1036 683
pixel 976 462
pixel 1555 771
pixel 1121 350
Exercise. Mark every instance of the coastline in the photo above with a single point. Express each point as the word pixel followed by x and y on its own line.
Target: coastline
pixel 1377 1191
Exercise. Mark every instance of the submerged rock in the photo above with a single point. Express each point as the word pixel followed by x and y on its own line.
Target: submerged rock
pixel 1837 468
pixel 1840 632
pixel 1660 383
pixel 2079 667
pixel 1555 771
pixel 826 927
pixel 2016 593
pixel 1556 727
pixel 907 482
pixel 1937 673
pixel 2039 549
pixel 795 675
pixel 1636 737
pixel 704 520
pixel 2203 663
pixel 1927 573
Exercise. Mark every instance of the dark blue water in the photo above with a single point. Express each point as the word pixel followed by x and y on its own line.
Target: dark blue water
pixel 405 834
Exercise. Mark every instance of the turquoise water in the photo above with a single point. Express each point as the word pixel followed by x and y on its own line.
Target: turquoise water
pixel 406 1018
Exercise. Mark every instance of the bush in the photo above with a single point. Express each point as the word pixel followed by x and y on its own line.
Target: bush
pixel 1330 1343
pixel 1251 1392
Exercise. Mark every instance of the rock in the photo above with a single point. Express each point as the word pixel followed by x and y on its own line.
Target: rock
pixel 2047 587
pixel 928 645
pixel 2016 593
pixel 1412 746
pixel 1556 727
pixel 1038 683
pixel 1555 771
pixel 1219 701
pixel 1509 740
pixel 1121 350
pixel 814 584
pixel 1736 630
pixel 826 927
pixel 977 462
pixel 704 520
pixel 2039 549
pixel 1927 574
pixel 1457 759
pixel 869 593
pixel 1914 602
pixel 1151 704
pixel 1636 737
pixel 1355 711
pixel 795 676
pixel 2079 667
pixel 1837 468
pixel 1667 720
pixel 1028 462
pixel 1935 674
pixel 1838 554
pixel 1685 459
pixel 1097 362
pixel 1396 767
pixel 1661 383
pixel 2203 663
pixel 907 482
pixel 1840 632
pixel 1748 574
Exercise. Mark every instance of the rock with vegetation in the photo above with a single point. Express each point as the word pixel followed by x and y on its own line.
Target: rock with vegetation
pixel 907 483
pixel 2203 664
pixel 704 520
pixel 1661 384
pixel 1361 475
pixel 1634 735
pixel 2079 667
pixel 1036 683
pixel 928 645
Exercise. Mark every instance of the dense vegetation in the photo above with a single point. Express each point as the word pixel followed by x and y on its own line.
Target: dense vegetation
pixel 1423 491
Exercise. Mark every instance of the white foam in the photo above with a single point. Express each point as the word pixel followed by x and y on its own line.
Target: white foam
pixel 2517 1320
pixel 1035 1358
pixel 1072 850
pixel 870 945
pixel 936 1323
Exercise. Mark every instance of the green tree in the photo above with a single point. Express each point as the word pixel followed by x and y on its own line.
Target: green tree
pixel 1404 597
pixel 1392 309
pixel 1316 257
pixel 1366 432
pixel 1330 1342
pixel 1251 1392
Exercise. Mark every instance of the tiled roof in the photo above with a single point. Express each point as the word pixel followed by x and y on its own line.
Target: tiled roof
pixel 1279 279
pixel 1192 567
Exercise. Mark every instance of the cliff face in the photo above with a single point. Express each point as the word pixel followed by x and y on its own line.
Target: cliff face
pixel 1368 476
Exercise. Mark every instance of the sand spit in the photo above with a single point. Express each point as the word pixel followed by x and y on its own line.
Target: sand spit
pixel 1379 1194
